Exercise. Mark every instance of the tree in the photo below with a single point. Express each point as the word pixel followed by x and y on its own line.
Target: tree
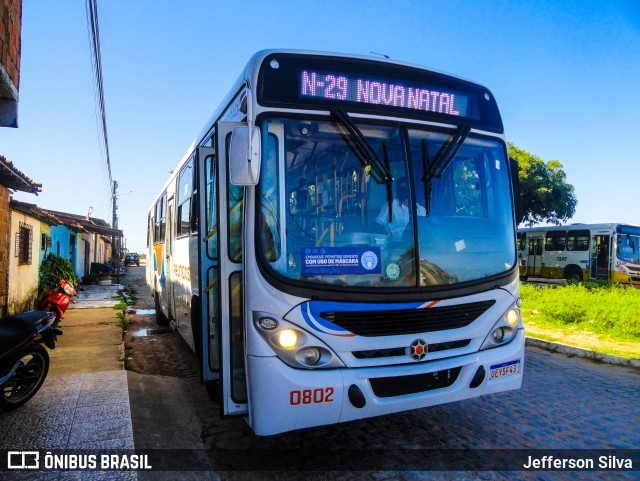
pixel 546 196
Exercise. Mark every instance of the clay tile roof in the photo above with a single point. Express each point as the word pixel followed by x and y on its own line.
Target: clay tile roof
pixel 13 179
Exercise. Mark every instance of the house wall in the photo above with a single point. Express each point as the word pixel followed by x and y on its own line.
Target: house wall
pixel 5 232
pixel 82 241
pixel 10 32
pixel 60 241
pixel 23 288
pixel 101 254
pixel 43 250
pixel 10 29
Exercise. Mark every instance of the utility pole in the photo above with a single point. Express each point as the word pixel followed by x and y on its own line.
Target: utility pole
pixel 114 239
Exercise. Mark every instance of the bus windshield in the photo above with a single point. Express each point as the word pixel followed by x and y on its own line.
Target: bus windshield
pixel 628 248
pixel 330 214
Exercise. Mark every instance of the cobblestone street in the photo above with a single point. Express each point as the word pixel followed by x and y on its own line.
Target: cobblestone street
pixel 564 404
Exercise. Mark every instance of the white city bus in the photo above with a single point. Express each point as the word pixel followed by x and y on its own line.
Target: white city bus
pixel 603 252
pixel 339 243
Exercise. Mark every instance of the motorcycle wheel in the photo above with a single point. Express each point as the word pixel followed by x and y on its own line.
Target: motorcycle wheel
pixel 28 378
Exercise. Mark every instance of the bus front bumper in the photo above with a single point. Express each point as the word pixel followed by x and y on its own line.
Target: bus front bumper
pixel 284 399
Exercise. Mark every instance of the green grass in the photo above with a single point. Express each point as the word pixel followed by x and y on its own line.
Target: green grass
pixel 122 308
pixel 585 314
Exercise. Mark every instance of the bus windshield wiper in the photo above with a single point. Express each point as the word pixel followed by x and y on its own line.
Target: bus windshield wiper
pixel 367 155
pixel 441 161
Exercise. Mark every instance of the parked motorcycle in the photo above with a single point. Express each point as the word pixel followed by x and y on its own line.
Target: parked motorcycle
pixel 57 300
pixel 24 362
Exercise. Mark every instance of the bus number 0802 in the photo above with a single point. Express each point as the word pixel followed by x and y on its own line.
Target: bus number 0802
pixel 311 396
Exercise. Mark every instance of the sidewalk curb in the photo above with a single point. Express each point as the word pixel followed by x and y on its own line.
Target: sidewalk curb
pixel 572 351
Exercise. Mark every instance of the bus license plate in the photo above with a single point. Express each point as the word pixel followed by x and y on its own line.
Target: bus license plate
pixel 503 370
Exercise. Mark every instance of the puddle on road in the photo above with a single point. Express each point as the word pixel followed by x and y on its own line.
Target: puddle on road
pixel 144 312
pixel 150 332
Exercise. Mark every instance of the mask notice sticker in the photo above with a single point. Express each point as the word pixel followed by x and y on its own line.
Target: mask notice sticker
pixel 335 261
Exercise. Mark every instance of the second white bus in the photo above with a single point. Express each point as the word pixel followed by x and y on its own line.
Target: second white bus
pixel 577 252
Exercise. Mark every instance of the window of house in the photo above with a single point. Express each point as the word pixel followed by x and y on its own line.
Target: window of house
pixel 24 238
pixel 45 242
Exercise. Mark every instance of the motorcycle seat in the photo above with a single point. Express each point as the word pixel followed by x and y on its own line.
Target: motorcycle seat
pixel 14 329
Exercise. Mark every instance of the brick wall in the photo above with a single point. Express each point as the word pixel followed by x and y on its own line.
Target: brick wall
pixel 10 28
pixel 5 232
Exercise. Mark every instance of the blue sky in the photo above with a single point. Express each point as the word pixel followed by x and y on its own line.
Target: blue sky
pixel 565 75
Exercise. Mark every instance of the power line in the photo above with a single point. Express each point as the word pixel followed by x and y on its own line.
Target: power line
pixel 96 59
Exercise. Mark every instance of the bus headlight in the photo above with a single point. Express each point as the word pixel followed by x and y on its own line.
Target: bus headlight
pixel 293 345
pixel 310 355
pixel 268 323
pixel 287 338
pixel 512 317
pixel 497 335
pixel 504 330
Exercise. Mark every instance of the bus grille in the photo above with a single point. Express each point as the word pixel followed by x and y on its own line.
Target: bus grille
pixel 404 351
pixel 398 386
pixel 409 321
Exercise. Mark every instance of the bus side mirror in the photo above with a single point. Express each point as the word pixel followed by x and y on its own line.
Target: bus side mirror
pixel 244 156
pixel 517 199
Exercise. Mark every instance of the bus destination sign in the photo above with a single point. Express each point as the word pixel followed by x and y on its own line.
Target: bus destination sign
pixel 335 86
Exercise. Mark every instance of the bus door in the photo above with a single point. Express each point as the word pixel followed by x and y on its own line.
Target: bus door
pixel 534 255
pixel 222 275
pixel 170 288
pixel 600 257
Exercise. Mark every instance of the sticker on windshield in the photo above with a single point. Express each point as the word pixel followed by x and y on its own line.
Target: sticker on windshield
pixel 325 261
pixel 392 271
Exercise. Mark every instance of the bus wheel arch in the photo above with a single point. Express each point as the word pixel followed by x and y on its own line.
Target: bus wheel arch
pixel 573 273
pixel 196 328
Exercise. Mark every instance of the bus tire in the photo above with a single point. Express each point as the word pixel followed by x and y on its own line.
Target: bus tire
pixel 573 274
pixel 161 319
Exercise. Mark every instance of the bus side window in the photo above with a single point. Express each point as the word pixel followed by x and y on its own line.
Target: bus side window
pixel 555 241
pixel 149 230
pixel 578 240
pixel 185 190
pixel 269 188
pixel 212 207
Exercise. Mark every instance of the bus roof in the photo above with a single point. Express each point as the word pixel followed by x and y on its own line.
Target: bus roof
pixel 249 76
pixel 611 226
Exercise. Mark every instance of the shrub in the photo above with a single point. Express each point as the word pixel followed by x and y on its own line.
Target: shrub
pixel 606 308
pixel 59 267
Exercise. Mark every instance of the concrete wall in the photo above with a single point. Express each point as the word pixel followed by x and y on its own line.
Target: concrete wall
pixel 23 288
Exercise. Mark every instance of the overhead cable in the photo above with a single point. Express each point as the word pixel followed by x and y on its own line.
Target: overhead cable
pixel 96 58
